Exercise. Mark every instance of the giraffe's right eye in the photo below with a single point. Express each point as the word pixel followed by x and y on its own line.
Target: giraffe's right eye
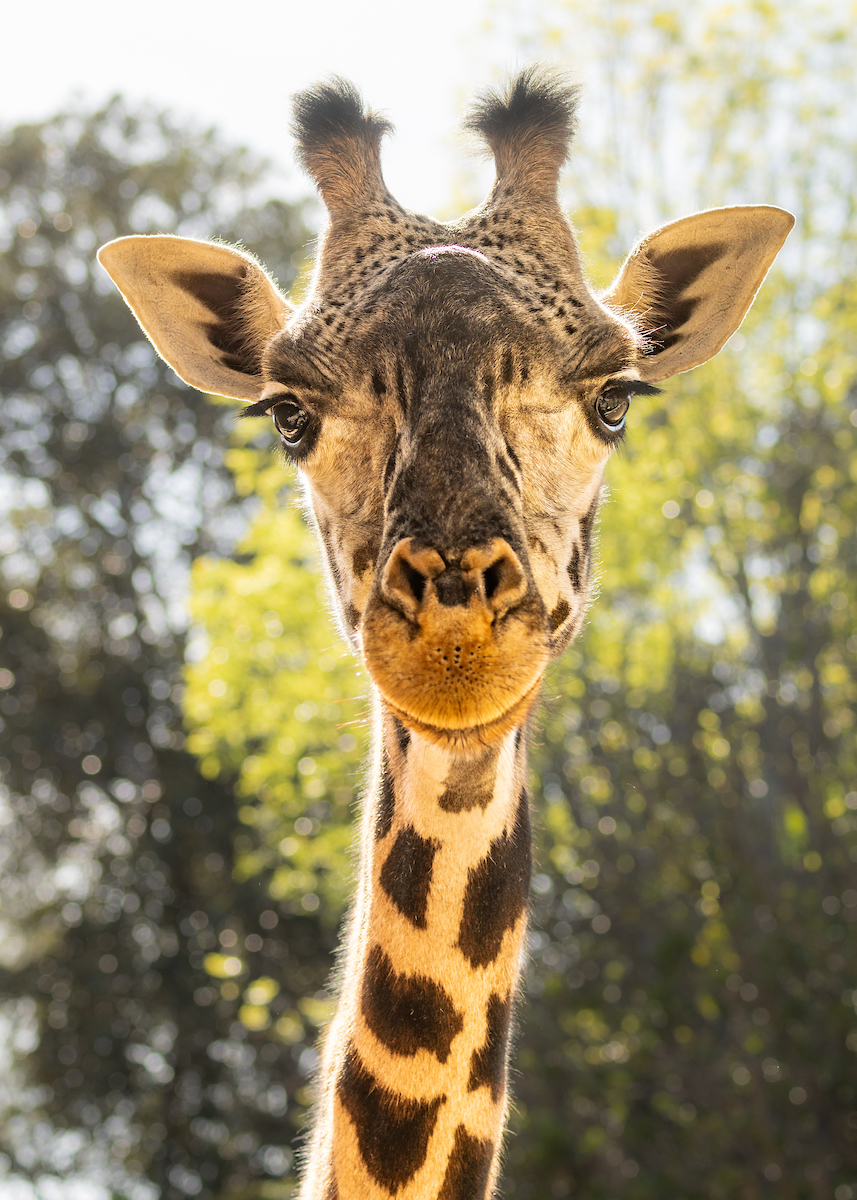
pixel 290 419
pixel 612 407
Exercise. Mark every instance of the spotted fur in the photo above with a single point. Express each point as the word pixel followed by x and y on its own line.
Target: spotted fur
pixel 393 1133
pixel 406 874
pixel 496 894
pixel 488 1063
pixel 408 1012
pixel 469 1168
pixel 386 802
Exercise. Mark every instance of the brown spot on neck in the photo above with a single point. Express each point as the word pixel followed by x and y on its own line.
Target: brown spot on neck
pixel 392 1132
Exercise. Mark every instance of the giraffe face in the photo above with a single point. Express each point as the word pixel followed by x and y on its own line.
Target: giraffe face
pixel 451 393
pixel 453 462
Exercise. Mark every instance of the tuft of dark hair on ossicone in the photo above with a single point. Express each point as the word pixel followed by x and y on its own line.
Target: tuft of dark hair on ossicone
pixel 529 125
pixel 338 141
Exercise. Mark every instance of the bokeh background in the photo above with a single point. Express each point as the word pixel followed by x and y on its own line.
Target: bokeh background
pixel 182 732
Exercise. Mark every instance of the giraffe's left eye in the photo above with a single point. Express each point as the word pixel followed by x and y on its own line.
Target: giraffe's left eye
pixel 290 419
pixel 612 408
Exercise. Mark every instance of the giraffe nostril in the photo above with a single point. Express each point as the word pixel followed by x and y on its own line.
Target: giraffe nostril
pixel 500 572
pixel 416 581
pixel 489 575
pixel 492 580
pixel 407 574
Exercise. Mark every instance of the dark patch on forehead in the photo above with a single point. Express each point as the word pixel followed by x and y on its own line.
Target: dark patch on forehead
pixel 470 783
pixel 363 558
pixel 406 874
pixel 488 1064
pixel 379 387
pixel 496 892
pixel 392 1131
pixel 408 1013
pixel 403 735
pixel 506 470
pixel 468 1169
pixel 386 802
pixel 511 452
pixel 574 567
pixel 587 521
pixel 559 614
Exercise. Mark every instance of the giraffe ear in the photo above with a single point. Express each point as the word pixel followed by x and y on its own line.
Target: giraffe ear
pixel 209 310
pixel 689 284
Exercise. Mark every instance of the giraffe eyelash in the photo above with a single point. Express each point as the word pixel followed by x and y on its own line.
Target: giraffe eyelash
pixel 262 408
pixel 631 387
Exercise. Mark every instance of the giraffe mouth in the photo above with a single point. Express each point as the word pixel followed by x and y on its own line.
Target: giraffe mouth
pixel 457 674
pixel 477 736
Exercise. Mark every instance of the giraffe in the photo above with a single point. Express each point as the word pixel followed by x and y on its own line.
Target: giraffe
pixel 450 394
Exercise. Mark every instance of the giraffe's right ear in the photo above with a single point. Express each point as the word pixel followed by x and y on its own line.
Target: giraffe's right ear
pixel 209 310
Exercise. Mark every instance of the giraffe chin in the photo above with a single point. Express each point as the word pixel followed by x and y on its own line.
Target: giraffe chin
pixel 476 738
pixel 460 676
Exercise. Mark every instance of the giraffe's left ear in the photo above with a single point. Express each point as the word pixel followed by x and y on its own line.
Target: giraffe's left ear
pixel 689 284
pixel 209 310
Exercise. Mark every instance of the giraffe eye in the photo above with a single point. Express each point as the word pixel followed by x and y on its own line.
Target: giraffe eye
pixel 290 419
pixel 612 407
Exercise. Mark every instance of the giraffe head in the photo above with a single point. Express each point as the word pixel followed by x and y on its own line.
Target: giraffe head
pixel 451 393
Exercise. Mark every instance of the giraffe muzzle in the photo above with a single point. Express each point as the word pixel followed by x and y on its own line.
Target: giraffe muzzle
pixel 457 645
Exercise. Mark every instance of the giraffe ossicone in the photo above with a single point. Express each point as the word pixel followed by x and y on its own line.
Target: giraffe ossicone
pixel 450 394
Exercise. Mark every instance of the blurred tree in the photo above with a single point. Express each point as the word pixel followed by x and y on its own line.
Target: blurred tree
pixel 277 702
pixel 155 1002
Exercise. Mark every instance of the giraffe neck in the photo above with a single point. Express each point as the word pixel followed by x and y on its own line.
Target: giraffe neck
pixel 413 1072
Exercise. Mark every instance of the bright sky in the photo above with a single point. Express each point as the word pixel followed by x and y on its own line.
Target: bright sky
pixel 236 64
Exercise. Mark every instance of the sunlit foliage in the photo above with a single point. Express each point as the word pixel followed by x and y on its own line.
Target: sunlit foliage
pixel 278 702
pixel 144 1045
